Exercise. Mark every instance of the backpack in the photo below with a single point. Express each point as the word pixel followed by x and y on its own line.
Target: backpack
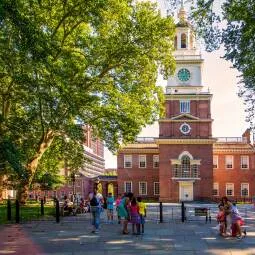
pixel 94 201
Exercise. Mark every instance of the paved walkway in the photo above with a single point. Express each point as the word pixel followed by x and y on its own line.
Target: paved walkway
pixel 73 237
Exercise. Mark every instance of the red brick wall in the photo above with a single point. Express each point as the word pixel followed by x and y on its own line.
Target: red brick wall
pixel 236 175
pixel 199 108
pixel 198 130
pixel 136 174
pixel 169 189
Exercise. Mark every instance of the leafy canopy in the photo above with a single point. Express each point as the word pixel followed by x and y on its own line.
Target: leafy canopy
pixel 75 61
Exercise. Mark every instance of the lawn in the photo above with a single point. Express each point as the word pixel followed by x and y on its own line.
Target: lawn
pixel 28 212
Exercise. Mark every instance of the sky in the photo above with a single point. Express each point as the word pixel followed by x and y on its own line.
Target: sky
pixel 228 110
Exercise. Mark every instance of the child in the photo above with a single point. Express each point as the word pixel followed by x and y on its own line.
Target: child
pixel 237 222
pixel 110 201
pixel 135 217
pixel 118 200
pixel 142 212
pixel 221 220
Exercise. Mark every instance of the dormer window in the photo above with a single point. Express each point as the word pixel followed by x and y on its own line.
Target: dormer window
pixel 183 41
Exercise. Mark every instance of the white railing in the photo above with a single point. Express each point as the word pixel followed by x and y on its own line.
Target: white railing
pixel 145 139
pixel 232 139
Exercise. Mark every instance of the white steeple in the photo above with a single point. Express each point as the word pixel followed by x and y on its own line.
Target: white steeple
pixel 188 76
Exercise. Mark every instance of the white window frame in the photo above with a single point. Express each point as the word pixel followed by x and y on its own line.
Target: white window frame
pixel 140 186
pixel 216 158
pixel 154 189
pixel 233 193
pixel 248 188
pixel 125 186
pixel 126 161
pixel 184 106
pixel 155 161
pixel 140 161
pixel 216 187
pixel 226 165
pixel 241 162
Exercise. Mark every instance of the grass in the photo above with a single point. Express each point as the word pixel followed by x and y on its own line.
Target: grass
pixel 30 211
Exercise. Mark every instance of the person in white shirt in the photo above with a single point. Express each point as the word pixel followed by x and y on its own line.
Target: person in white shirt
pixel 96 201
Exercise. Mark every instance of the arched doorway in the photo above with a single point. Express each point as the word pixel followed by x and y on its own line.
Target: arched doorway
pixel 110 188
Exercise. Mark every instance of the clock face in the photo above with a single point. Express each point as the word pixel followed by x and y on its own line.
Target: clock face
pixel 183 74
pixel 185 128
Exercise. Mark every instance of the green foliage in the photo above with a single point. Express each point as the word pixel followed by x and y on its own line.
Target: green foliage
pixel 90 61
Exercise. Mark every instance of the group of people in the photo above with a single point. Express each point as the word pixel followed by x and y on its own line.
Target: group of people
pixel 229 219
pixel 129 210
pixel 133 210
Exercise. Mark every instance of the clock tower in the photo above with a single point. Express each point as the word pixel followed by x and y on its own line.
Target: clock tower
pixel 185 134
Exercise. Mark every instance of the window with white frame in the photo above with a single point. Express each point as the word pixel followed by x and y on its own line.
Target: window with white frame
pixel 156 188
pixel 215 161
pixel 229 162
pixel 215 189
pixel 142 188
pixel 127 161
pixel 244 189
pixel 155 161
pixel 185 106
pixel 230 189
pixel 127 187
pixel 142 161
pixel 244 162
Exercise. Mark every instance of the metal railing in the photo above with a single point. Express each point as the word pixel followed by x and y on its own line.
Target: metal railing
pixel 145 139
pixel 180 173
pixel 231 139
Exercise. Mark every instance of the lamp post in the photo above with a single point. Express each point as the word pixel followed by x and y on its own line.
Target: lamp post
pixel 73 185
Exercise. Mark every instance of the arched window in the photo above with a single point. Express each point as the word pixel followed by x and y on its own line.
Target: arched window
pixel 183 41
pixel 175 42
pixel 185 166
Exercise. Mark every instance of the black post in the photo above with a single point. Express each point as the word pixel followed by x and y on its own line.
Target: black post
pixel 210 218
pixel 160 212
pixel 42 207
pixel 206 217
pixel 9 210
pixel 183 212
pixel 17 216
pixel 57 211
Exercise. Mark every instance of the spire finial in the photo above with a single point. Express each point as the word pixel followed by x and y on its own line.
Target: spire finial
pixel 182 13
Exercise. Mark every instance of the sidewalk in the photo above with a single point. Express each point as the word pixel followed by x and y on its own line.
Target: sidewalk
pixel 74 238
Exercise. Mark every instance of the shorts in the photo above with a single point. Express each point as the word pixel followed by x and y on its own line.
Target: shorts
pixel 142 219
pixel 110 211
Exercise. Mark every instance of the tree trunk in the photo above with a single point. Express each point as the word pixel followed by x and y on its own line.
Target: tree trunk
pixel 1 187
pixel 31 167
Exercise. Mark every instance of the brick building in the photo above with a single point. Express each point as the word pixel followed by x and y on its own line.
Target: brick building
pixel 82 183
pixel 178 164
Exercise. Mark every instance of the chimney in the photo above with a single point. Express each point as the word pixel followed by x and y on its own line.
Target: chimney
pixel 247 135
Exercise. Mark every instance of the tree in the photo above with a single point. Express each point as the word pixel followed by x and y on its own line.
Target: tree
pixel 233 27
pixel 88 62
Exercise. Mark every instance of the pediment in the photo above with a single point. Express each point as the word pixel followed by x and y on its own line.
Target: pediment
pixel 185 116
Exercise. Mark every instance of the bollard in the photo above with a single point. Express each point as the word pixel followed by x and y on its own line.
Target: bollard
pixel 57 211
pixel 9 210
pixel 206 217
pixel 17 216
pixel 160 212
pixel 183 212
pixel 210 218
pixel 42 207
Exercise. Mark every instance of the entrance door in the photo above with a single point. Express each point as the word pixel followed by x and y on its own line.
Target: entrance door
pixel 186 191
